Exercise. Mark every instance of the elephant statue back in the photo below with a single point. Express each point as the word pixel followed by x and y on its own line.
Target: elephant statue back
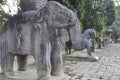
pixel 19 33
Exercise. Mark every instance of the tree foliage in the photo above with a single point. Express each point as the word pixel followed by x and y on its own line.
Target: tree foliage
pixel 96 14
pixel 3 18
pixel 109 11
pixel 3 15
pixel 1 1
pixel 116 24
pixel 6 13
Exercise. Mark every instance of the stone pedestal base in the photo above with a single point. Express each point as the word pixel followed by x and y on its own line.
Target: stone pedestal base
pixel 81 58
pixel 32 75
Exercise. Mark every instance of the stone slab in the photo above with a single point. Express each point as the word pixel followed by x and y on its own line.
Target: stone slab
pixel 32 75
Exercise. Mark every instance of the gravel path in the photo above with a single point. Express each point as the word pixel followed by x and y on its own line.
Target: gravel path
pixel 106 68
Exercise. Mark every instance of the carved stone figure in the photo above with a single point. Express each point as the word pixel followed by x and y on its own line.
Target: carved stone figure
pixel 99 39
pixel 39 33
pixel 83 42
pixel 28 5
pixel 109 37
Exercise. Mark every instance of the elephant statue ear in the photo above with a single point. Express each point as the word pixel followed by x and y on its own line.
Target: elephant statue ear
pixel 65 20
pixel 74 32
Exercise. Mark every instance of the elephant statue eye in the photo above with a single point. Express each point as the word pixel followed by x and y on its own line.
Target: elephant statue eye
pixel 37 26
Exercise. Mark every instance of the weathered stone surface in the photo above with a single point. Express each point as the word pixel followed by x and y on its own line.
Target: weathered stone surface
pixel 83 42
pixel 38 33
pixel 28 5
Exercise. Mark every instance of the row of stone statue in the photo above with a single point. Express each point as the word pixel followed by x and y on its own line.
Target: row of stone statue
pixel 105 40
pixel 40 31
pixel 88 39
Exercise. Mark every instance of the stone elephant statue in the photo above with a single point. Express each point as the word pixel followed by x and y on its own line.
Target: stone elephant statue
pixel 39 33
pixel 84 42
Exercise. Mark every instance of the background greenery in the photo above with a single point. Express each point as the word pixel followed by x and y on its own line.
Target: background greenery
pixel 116 24
pixel 97 14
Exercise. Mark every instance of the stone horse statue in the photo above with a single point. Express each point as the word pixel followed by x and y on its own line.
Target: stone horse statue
pixel 83 42
pixel 38 33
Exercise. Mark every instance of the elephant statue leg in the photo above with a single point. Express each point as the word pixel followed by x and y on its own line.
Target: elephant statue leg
pixel 67 50
pixel 68 47
pixel 89 51
pixel 42 58
pixel 7 60
pixel 56 59
pixel 22 62
pixel 93 46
